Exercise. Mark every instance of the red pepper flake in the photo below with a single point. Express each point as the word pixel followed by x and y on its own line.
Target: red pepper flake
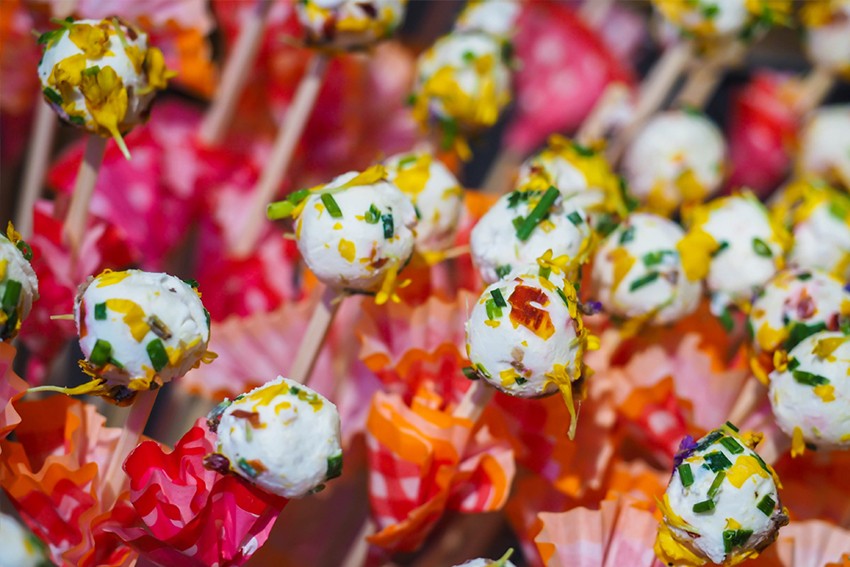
pixel 83 329
pixel 806 305
pixel 252 417
pixel 531 317
pixel 258 466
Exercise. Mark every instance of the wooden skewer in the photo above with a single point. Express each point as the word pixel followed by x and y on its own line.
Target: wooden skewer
pixel 815 88
pixel 75 222
pixel 704 79
pixel 751 395
pixel 38 158
pixel 317 330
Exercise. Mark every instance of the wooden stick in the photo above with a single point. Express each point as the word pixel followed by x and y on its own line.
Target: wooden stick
pixel 815 88
pixel 38 157
pixel 502 172
pixel 237 69
pixel 78 212
pixel 653 92
pixel 314 337
pixel 593 12
pixel 704 79
pixel 773 447
pixel 114 480
pixel 359 550
pixel 751 395
pixel 281 154
pixel 595 124
pixel 474 401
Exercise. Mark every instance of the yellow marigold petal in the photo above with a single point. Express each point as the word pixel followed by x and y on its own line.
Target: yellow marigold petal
pixel 798 444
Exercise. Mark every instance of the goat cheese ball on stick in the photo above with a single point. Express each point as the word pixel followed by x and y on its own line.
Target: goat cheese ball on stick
pixel 825 146
pixel 721 505
pixel 524 226
pixel 525 337
pixel 810 395
pixel 18 283
pixel 493 17
pixel 282 436
pixel 734 244
pixel 435 193
pixel 101 75
pixel 712 20
pixel 138 330
pixel 349 25
pixel 638 272
pixel 826 34
pixel 677 158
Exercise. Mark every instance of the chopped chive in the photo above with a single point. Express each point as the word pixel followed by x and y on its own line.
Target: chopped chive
pixel 297 196
pixel 800 331
pixel 538 213
pixel 520 380
pixel 52 95
pixel 101 353
pixel 708 440
pixel 246 468
pixel 116 363
pixel 732 426
pixel 207 316
pixel 468 56
pixel 483 371
pixel 686 474
pixel 470 372
pixel 157 354
pixel 628 235
pixel 93 70
pixel 643 281
pixel 389 228
pixel 809 378
pixel 516 197
pixel 502 271
pixel 563 296
pixel 77 120
pixel 493 311
pixel 723 246
pixel 279 210
pixel 518 222
pixel 583 151
pixel 334 467
pixel 498 298
pixel 331 205
pixel 656 257
pixel 704 506
pixel 373 215
pixel 406 160
pixel 575 218
pixel 100 311
pixel 726 320
pixel 606 225
pixel 294 390
pixel 417 211
pixel 761 248
pixel 804 276
pixel 732 446
pixel 793 363
pixel 11 295
pixel 766 505
pixel 735 538
pixel 26 250
pixel 717 461
pixel 715 484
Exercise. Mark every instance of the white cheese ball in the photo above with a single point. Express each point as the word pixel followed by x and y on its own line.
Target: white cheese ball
pixel 827 40
pixel 825 145
pixel 349 25
pixel 497 248
pixel 493 17
pixel 20 547
pixel 139 330
pixel 371 234
pixel 706 18
pixel 637 272
pixel 481 561
pixel 812 394
pixel 18 288
pixel 678 157
pixel 462 79
pixel 79 69
pixel 721 504
pixel 796 297
pixel 436 194
pixel 741 247
pixel 283 437
pixel 530 344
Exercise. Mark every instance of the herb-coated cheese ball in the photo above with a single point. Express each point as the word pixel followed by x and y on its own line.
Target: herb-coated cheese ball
pixel 734 244
pixel 678 157
pixel 723 19
pixel 637 272
pixel 484 562
pixel 825 145
pixel 436 194
pixel 826 35
pixel 101 75
pixel 493 17
pixel 139 330
pixel 282 436
pixel 811 395
pixel 18 283
pixel 356 230
pixel 722 503
pixel 523 226
pixel 349 25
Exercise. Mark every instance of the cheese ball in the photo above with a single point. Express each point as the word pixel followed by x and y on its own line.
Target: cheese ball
pixel 825 146
pixel 349 25
pixel 523 226
pixel 493 17
pixel 826 36
pixel 722 503
pixel 139 330
pixel 734 244
pixel 20 548
pixel 18 283
pixel 722 19
pixel 678 157
pixel 819 219
pixel 282 436
pixel 436 194
pixel 101 75
pixel 796 301
pixel 638 273
pixel 462 83
pixel 581 174
pixel 484 562
pixel 356 230
pixel 811 395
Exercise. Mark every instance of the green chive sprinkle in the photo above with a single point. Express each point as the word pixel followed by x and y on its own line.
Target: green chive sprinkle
pixel 726 320
pixel 723 246
pixel 520 380
pixel 761 248
pixel 732 446
pixel 101 353
pixel 100 311
pixel 77 120
pixel 656 257
pixel 279 210
pixel 493 311
pixel 26 250
pixel 643 281
pixel 470 373
pixel 502 271
pixel 686 474
pixel 628 235
pixel 389 228
pixel 406 160
pixel 157 354
pixel 518 222
pixel 715 484
pixel 704 506
pixel 373 215
pixel 294 390
pixel 483 371
pixel 575 218
pixel 708 440
pixel 297 196
pixel 800 331
pixel 540 211
pixel 52 95
pixel 717 461
pixel 809 378
pixel 94 70
pixel 563 296
pixel 246 468
pixel 498 298
pixel 766 505
pixel 732 426
pixel 735 538
pixel 331 206
pixel 11 295
pixel 804 276
pixel 334 466
pixel 793 363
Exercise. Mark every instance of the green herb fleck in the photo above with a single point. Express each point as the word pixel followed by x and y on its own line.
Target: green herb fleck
pixel 686 474
pixel 657 257
pixel 717 461
pixel 800 331
pixel 331 205
pixel 389 228
pixel 723 246
pixel 643 281
pixel 726 320
pixel 732 426
pixel 793 363
pixel 732 446
pixel 493 311
pixel 157 354
pixel 101 353
pixel 100 311
pixel 294 390
pixel 761 248
pixel 247 468
pixel 373 215
pixel 575 218
pixel 628 235
pixel 502 271
pixel 498 298
pixel 715 484
pixel 766 505
pixel 11 295
pixel 540 211
pixel 735 538
pixel 52 95
pixel 583 151
pixel 77 120
pixel 484 372
pixel 544 272
pixel 93 70
pixel 334 466
pixel 470 373
pixel 563 296
pixel 809 378
pixel 704 506
pixel 520 380
pixel 406 160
